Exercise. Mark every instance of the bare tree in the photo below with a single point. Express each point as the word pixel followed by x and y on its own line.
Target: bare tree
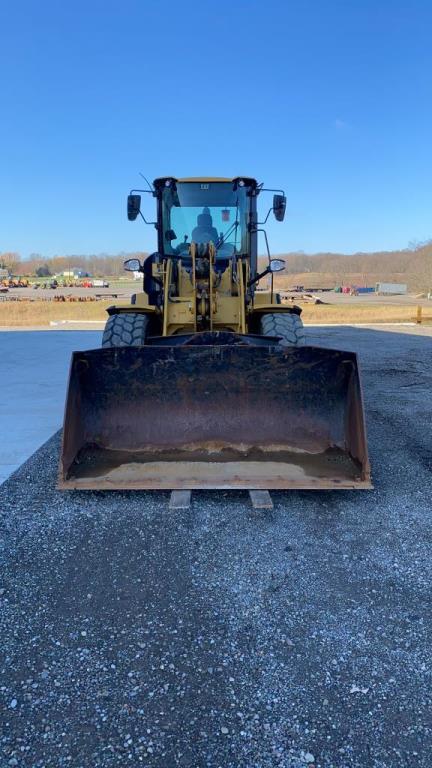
pixel 10 260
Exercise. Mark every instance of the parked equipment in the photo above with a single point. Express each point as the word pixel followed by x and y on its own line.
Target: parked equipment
pixel 391 289
pixel 204 382
pixel 15 282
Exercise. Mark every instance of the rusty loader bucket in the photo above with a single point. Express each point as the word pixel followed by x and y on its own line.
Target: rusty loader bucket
pixel 232 416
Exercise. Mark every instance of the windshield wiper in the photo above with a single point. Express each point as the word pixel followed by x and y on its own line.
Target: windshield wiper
pixel 233 228
pixel 224 237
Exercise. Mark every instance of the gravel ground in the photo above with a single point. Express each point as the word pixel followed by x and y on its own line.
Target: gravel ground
pixel 222 636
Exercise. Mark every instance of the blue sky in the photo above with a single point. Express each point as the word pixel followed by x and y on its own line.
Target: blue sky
pixel 329 99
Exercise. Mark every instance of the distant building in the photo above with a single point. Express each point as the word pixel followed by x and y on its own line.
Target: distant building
pixel 75 273
pixel 3 273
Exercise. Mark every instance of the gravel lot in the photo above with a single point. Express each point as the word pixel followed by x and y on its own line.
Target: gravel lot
pixel 222 636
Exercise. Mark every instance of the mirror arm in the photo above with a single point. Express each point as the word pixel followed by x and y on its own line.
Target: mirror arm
pixel 266 241
pixel 259 223
pixel 278 191
pixel 269 258
pixel 147 222
pixel 148 192
pixel 258 277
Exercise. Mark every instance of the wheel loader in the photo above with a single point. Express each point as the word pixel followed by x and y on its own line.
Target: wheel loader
pixel 202 380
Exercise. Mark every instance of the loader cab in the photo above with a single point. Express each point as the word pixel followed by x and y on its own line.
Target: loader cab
pixel 220 211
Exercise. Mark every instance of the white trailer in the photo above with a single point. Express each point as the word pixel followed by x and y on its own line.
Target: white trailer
pixel 394 289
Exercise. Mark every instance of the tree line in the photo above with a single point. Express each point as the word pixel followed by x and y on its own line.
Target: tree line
pixel 413 264
pixel 99 265
pixel 409 260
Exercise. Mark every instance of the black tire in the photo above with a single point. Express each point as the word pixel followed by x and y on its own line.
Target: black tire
pixel 125 330
pixel 288 325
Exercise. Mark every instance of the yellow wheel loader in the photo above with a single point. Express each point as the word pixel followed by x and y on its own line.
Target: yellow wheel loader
pixel 203 381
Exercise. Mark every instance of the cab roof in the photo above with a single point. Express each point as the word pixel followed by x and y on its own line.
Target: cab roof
pixel 247 179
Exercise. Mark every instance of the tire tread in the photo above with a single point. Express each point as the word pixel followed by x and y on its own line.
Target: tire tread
pixel 125 330
pixel 287 325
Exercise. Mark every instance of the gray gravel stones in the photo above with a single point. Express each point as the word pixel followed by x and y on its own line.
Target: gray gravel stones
pixel 223 636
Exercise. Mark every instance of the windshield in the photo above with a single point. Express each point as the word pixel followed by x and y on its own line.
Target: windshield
pixel 205 212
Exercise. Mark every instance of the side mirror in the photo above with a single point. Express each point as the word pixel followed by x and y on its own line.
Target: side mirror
pixel 133 206
pixel 276 265
pixel 133 265
pixel 279 207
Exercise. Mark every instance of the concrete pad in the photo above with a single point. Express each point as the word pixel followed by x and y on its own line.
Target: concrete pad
pixel 34 368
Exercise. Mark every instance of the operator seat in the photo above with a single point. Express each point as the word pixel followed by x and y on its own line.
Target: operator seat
pixel 205 232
